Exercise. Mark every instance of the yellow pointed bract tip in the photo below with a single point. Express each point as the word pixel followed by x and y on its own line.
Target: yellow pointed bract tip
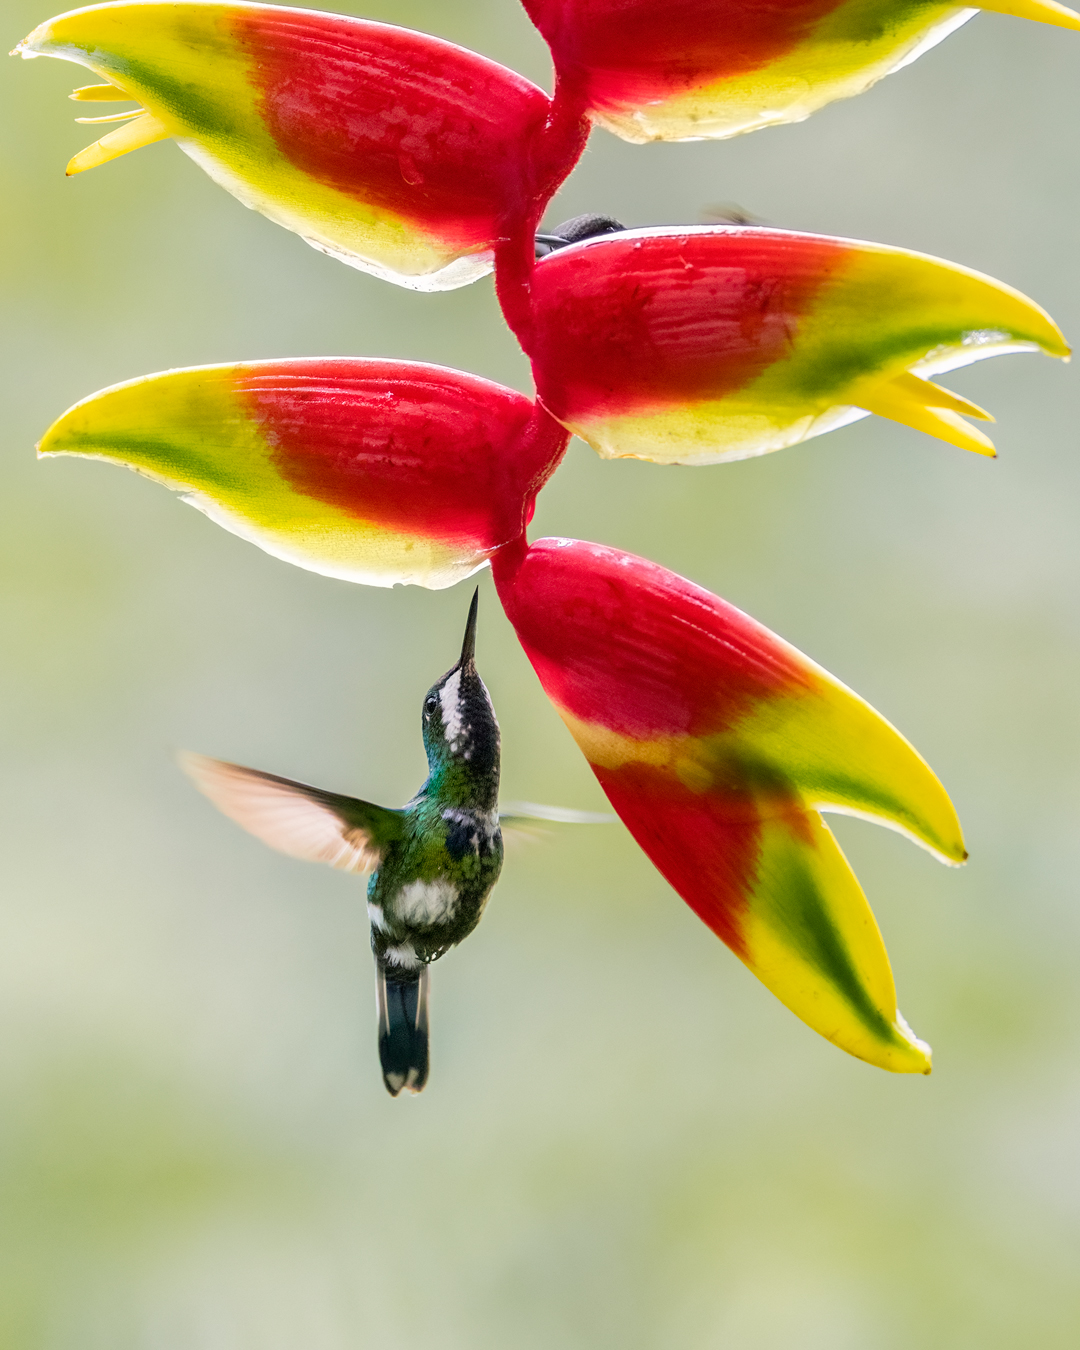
pixel 144 130
pixel 933 396
pixel 1042 11
pixel 99 93
pixel 922 1050
pixel 109 117
pixel 925 407
pixel 30 46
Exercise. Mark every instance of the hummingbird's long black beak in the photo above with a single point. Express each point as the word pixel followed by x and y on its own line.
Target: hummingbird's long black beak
pixel 468 647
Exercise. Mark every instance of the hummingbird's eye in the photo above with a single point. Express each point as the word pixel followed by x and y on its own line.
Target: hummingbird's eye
pixel 429 705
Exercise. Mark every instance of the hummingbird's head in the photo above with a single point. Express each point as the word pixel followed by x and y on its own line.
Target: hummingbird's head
pixel 460 726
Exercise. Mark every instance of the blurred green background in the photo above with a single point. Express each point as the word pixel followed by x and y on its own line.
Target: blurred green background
pixel 627 1144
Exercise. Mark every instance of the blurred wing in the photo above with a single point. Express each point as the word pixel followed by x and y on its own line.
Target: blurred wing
pixel 523 822
pixel 517 813
pixel 302 821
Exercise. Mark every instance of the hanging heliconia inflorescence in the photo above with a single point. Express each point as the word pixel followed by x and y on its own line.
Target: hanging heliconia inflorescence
pixel 717 743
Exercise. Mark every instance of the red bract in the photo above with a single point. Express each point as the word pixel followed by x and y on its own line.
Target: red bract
pixel 718 744
pixel 630 54
pixel 374 471
pixel 396 120
pixel 394 151
pixel 687 69
pixel 695 345
pixel 418 448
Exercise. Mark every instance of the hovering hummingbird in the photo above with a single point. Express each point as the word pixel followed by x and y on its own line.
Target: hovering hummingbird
pixel 433 862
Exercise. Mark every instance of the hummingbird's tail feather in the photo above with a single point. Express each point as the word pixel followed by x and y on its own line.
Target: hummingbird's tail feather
pixel 403 1027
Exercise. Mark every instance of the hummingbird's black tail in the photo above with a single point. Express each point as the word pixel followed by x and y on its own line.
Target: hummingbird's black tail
pixel 403 1027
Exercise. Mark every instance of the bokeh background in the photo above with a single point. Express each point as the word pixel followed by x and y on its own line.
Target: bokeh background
pixel 626 1144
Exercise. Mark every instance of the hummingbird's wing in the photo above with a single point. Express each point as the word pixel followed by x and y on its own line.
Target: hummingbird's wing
pixel 514 813
pixel 295 818
pixel 522 821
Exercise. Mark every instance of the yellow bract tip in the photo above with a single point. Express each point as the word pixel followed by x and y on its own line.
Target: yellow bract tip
pixel 30 46
pixel 99 93
pixel 924 406
pixel 109 117
pixel 933 396
pixel 1042 11
pixel 924 1056
pixel 144 130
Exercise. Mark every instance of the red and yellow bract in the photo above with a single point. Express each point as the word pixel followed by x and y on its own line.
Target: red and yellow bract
pixel 718 744
pixel 374 471
pixel 690 346
pixel 688 69
pixel 394 151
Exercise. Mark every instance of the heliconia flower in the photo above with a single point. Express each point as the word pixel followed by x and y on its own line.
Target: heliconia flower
pixel 381 472
pixel 689 69
pixel 718 744
pixel 396 152
pixel 690 346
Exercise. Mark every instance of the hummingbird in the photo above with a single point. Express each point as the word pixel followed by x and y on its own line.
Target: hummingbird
pixel 432 862
pixel 573 231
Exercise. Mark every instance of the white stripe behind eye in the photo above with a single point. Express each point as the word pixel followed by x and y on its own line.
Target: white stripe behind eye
pixel 282 815
pixel 450 705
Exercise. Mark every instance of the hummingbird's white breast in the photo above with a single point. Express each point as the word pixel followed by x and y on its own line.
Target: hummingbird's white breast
pixel 424 903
